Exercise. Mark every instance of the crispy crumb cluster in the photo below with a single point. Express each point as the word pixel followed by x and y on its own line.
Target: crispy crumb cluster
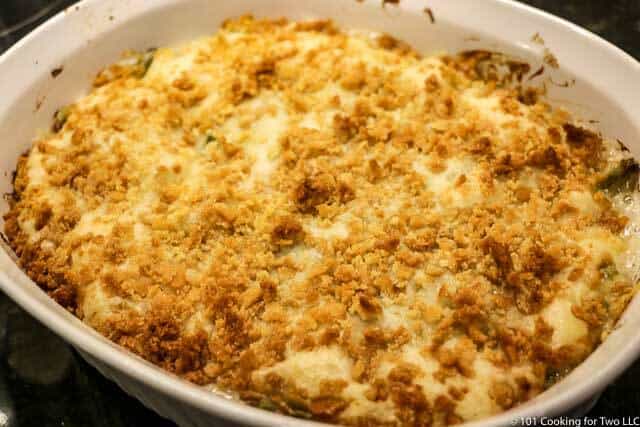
pixel 327 224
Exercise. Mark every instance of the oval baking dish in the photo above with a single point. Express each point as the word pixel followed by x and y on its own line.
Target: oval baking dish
pixel 601 87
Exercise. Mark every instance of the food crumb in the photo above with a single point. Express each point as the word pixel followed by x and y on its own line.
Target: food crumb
pixel 57 71
pixel 429 13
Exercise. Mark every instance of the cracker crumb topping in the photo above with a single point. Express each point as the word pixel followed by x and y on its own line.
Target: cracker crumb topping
pixel 327 224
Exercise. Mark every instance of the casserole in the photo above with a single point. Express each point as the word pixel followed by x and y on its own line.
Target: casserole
pixel 583 93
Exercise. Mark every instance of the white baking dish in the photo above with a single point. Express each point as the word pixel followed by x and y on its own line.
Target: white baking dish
pixel 86 37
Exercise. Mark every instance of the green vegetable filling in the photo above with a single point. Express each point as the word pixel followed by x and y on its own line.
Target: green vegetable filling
pixel 144 62
pixel 623 178
pixel 60 117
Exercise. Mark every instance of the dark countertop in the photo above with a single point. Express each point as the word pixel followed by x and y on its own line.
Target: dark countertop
pixel 44 383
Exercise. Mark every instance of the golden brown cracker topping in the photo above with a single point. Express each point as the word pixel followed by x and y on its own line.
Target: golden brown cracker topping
pixel 328 225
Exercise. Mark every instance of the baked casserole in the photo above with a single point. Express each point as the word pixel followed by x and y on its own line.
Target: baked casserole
pixel 329 225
